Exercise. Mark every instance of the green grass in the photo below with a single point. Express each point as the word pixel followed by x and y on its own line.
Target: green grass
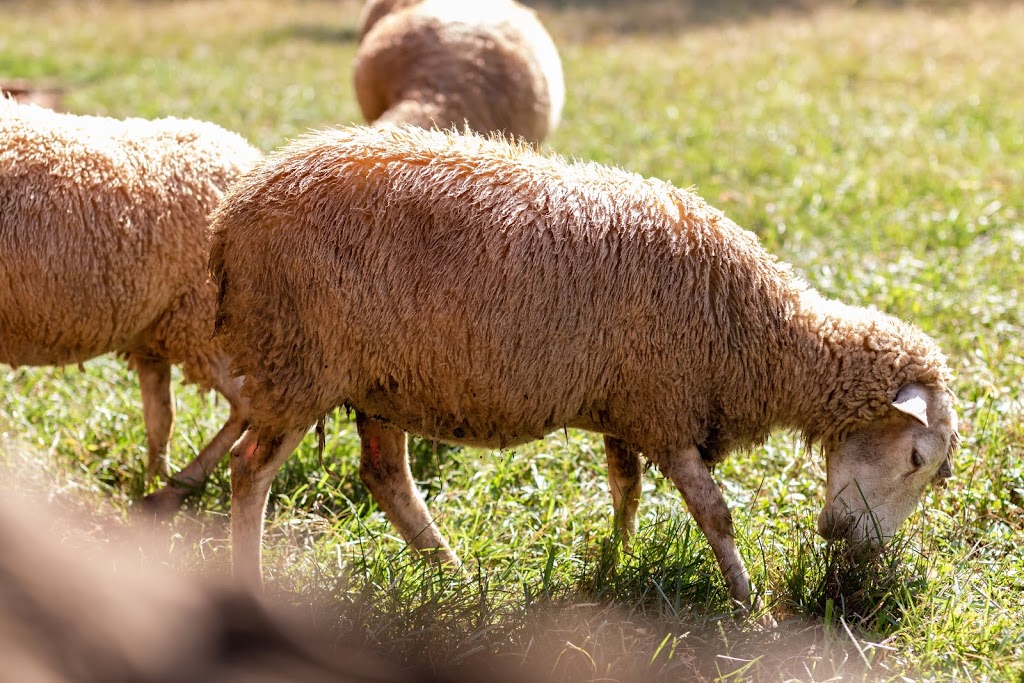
pixel 878 149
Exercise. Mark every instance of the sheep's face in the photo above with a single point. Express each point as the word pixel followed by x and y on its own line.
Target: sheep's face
pixel 877 474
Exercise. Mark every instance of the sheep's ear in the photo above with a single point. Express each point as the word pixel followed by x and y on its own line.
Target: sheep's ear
pixel 913 400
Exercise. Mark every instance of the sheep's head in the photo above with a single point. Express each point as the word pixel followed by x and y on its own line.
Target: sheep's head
pixel 877 473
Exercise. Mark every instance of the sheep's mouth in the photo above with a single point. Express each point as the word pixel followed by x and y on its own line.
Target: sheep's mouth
pixel 858 530
pixel 944 472
pixel 834 527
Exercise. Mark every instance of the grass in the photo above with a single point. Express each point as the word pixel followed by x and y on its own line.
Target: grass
pixel 877 148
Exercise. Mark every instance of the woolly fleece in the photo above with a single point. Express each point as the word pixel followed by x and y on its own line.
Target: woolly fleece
pixel 103 235
pixel 477 292
pixel 103 249
pixel 489 65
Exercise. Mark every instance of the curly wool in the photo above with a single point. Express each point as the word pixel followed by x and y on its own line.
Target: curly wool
pixel 475 291
pixel 491 66
pixel 103 236
pixel 868 357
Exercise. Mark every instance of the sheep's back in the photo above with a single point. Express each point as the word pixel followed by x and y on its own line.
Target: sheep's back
pixel 102 227
pixel 463 288
pixel 374 10
pixel 492 66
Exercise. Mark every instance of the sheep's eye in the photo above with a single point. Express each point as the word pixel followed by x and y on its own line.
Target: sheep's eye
pixel 915 459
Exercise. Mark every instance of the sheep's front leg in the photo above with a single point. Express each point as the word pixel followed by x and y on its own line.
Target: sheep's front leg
pixel 158 412
pixel 255 459
pixel 704 500
pixel 167 501
pixel 624 474
pixel 384 469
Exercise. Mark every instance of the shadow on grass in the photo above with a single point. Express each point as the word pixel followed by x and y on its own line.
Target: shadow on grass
pixel 312 33
pixel 670 571
pixel 867 590
pixel 660 17
pixel 659 613
pixel 575 20
pixel 450 628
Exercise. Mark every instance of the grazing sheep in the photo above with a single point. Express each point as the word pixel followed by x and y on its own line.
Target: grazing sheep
pixel 103 249
pixel 489 65
pixel 477 292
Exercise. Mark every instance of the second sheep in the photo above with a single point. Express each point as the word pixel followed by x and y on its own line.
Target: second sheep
pixel 489 65
pixel 103 250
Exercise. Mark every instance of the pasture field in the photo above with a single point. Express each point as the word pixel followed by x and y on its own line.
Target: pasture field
pixel 878 148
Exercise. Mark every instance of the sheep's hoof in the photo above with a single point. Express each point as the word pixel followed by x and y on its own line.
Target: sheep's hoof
pixel 163 504
pixel 161 471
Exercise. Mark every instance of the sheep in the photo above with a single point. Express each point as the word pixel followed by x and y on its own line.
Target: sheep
pixel 490 66
pixel 103 249
pixel 374 10
pixel 29 93
pixel 475 291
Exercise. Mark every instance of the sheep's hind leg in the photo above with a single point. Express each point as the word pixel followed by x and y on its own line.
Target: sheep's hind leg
pixel 255 459
pixel 158 412
pixel 384 469
pixel 704 500
pixel 624 474
pixel 168 500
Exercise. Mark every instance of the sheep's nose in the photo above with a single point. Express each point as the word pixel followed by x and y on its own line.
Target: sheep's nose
pixel 832 527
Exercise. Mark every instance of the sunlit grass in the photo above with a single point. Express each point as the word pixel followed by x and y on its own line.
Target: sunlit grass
pixel 880 150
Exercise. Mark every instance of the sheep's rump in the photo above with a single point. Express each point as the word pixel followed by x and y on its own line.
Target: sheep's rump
pixel 446 62
pixel 374 10
pixel 102 227
pixel 472 290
